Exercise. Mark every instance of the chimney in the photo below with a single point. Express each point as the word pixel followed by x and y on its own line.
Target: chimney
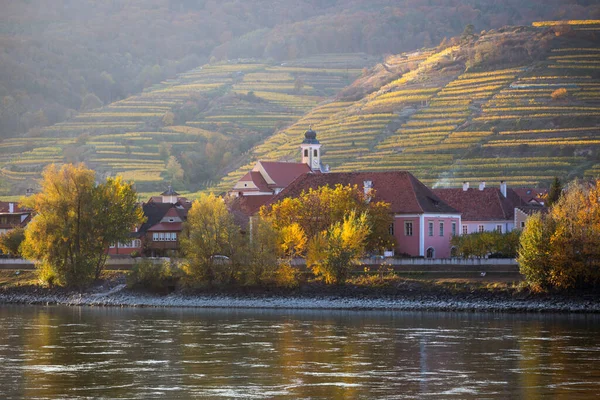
pixel 465 186
pixel 503 188
pixel 11 207
pixel 481 185
pixel 367 186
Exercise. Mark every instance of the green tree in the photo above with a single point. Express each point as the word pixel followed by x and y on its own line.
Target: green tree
pixel 174 170
pixel 76 220
pixel 90 101
pixel 333 252
pixel 210 234
pixel 10 242
pixel 555 192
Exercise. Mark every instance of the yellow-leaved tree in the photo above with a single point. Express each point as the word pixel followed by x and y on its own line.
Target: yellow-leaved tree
pixel 211 242
pixel 75 222
pixel 333 252
pixel 562 249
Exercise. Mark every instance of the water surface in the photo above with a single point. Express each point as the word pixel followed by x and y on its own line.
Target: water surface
pixel 81 353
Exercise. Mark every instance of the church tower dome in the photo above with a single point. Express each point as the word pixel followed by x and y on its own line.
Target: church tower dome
pixel 311 150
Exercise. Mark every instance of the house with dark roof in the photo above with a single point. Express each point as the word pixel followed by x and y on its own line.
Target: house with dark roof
pixel 483 209
pixel 159 234
pixel 423 223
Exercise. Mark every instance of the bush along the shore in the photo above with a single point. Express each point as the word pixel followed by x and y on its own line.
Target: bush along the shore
pixel 561 250
pixel 159 277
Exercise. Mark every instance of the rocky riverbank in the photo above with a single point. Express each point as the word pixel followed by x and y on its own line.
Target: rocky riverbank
pixel 406 296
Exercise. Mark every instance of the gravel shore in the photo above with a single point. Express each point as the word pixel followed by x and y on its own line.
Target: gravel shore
pixel 119 296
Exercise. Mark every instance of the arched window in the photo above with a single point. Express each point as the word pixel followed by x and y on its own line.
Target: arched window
pixel 315 153
pixel 305 152
pixel 430 253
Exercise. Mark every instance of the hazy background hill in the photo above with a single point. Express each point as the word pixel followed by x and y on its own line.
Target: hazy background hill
pixel 65 56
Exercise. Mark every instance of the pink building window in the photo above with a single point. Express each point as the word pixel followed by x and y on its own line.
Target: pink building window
pixel 465 229
pixel 430 228
pixel 408 228
pixel 454 229
pixel 481 228
pixel 441 228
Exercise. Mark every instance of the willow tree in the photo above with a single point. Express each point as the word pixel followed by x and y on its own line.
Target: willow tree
pixel 76 220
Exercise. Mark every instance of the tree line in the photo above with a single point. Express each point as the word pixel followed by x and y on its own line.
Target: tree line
pixel 77 219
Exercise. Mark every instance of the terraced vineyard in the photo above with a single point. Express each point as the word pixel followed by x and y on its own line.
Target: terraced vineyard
pixel 524 120
pixel 192 118
pixel 517 104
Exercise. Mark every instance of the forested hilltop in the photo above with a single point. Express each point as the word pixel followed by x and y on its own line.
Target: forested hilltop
pixel 63 57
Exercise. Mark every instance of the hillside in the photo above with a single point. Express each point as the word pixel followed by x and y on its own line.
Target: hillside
pixel 63 57
pixel 480 108
pixel 184 131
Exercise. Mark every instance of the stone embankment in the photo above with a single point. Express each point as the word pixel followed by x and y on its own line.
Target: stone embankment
pixel 480 301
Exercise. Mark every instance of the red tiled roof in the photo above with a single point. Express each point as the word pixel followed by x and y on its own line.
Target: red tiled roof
pixel 166 227
pixel 482 205
pixel 249 205
pixel 5 208
pixel 284 173
pixel 405 193
pixel 528 194
pixel 256 178
pixel 172 213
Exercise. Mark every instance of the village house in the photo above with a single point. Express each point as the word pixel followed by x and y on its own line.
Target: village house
pixel 159 235
pixel 13 216
pixel 484 209
pixel 423 223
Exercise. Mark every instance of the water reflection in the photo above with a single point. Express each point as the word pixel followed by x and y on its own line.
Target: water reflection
pixel 60 352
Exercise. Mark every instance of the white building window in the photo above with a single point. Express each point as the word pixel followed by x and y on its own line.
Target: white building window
pixel 454 229
pixel 155 236
pixel 481 228
pixel 161 236
pixel 441 228
pixel 430 228
pixel 465 229
pixel 499 228
pixel 408 228
pixel 522 224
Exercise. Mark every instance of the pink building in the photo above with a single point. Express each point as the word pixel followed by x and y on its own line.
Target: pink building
pixel 423 223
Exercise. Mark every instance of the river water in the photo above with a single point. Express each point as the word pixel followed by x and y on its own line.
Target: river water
pixel 80 353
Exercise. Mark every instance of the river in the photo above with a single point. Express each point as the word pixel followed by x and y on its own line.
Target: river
pixel 62 352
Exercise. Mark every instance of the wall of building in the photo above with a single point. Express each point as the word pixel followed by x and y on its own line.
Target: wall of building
pixel 440 244
pixel 406 244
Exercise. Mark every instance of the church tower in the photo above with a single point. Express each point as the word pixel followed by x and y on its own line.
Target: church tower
pixel 311 150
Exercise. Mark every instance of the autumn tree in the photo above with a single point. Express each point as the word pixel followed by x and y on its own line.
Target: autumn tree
pixel 76 220
pixel 263 252
pixel 10 242
pixel 333 252
pixel 562 250
pixel 211 242
pixel 316 210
